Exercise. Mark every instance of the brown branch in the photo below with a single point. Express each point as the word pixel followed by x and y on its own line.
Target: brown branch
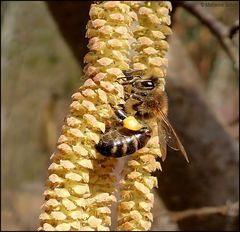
pixel 233 30
pixel 229 209
pixel 234 121
pixel 71 18
pixel 219 30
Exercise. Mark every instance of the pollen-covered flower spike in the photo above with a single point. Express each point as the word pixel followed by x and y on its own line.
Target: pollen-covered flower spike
pixel 80 184
pixel 134 209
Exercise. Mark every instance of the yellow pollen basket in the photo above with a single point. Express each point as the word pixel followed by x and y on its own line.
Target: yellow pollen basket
pixel 131 123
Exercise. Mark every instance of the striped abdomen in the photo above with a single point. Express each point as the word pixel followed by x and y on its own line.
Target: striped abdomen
pixel 122 142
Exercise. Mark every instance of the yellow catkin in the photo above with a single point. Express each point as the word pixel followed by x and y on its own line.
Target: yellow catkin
pixel 80 185
pixel 134 209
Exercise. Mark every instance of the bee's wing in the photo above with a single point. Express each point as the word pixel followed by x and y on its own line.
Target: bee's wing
pixel 162 140
pixel 171 137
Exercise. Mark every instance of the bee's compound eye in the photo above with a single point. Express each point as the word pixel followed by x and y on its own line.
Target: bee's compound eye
pixel 148 84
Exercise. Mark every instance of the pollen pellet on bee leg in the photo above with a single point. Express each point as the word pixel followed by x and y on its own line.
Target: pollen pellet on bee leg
pixel 131 123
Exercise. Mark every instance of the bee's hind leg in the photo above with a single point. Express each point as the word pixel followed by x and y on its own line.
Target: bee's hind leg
pixel 119 113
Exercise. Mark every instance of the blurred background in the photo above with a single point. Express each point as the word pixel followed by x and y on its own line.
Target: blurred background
pixel 42 52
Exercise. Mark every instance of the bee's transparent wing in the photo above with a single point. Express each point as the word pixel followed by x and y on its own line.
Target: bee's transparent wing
pixel 169 134
pixel 162 140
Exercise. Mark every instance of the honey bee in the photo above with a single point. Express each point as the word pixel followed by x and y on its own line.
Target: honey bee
pixel 121 141
pixel 145 100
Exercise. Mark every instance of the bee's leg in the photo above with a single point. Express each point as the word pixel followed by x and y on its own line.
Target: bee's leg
pixel 138 101
pixel 126 80
pixel 120 114
pixel 130 72
pixel 138 96
pixel 136 105
pixel 147 130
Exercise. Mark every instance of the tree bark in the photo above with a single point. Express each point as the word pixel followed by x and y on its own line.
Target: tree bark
pixel 71 18
pixel 212 176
